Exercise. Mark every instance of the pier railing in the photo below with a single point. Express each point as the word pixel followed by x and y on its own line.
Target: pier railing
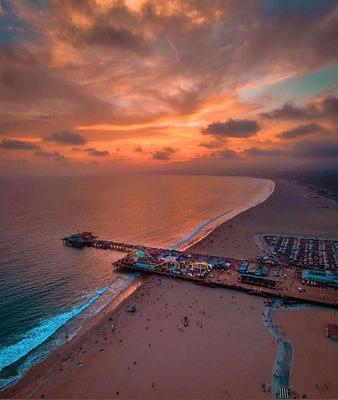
pixel 87 239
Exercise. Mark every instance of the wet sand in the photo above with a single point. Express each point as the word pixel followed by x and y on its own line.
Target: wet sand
pixel 315 364
pixel 224 352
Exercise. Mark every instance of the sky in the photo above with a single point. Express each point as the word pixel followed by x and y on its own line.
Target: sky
pixel 110 86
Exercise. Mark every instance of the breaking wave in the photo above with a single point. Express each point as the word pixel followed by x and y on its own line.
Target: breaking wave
pixel 39 334
pixel 206 227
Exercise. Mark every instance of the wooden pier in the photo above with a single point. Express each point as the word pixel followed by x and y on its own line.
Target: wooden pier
pixel 213 271
pixel 87 239
pixel 266 292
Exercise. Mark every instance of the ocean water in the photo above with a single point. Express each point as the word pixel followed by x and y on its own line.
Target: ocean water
pixel 47 290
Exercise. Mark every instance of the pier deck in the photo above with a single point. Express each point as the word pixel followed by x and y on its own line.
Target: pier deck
pixel 87 239
pixel 266 276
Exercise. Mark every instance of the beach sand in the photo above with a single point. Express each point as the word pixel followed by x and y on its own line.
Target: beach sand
pixel 150 355
pixel 224 352
pixel 315 356
pixel 291 209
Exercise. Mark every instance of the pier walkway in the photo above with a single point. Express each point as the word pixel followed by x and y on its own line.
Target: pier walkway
pixel 265 276
pixel 87 239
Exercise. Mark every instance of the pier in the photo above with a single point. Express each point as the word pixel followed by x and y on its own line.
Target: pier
pixel 264 276
pixel 87 239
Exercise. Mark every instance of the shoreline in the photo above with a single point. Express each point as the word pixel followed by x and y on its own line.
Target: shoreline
pixel 207 227
pixel 23 384
pixel 193 238
pixel 188 241
pixel 70 353
pixel 282 213
pixel 58 353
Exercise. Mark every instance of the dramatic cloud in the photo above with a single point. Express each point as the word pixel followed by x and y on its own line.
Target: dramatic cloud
pixel 11 144
pixel 91 151
pixel 213 144
pixel 289 111
pixel 330 107
pixel 54 155
pixel 316 149
pixel 325 109
pixel 164 154
pixel 110 36
pixel 301 131
pixel 66 138
pixel 240 128
pixel 97 153
pixel 227 153
pixel 145 75
pixel 259 152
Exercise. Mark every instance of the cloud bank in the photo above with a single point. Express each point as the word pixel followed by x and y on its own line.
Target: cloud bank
pixel 227 80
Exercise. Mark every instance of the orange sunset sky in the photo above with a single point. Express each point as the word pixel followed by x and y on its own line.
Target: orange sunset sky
pixel 198 86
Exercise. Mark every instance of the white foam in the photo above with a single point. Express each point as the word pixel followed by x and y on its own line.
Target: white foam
pixel 39 334
pixel 33 344
pixel 34 338
pixel 206 227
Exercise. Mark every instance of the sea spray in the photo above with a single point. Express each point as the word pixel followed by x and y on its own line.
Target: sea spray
pixel 35 345
pixel 36 336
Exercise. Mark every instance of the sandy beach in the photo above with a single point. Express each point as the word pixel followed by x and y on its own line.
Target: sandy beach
pixel 224 351
pixel 314 369
pixel 291 209
pixel 150 355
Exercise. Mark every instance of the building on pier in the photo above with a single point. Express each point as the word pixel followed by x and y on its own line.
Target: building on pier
pixel 79 240
pixel 243 266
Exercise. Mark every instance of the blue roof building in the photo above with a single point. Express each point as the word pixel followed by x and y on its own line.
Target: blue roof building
pixel 320 277
pixel 243 267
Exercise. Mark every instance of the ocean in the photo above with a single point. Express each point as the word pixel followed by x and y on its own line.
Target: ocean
pixel 47 290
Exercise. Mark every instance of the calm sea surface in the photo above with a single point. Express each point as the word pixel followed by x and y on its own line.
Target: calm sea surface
pixel 48 290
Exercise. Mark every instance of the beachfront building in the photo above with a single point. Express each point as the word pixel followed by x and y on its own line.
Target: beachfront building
pixel 319 277
pixel 79 240
pixel 243 266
